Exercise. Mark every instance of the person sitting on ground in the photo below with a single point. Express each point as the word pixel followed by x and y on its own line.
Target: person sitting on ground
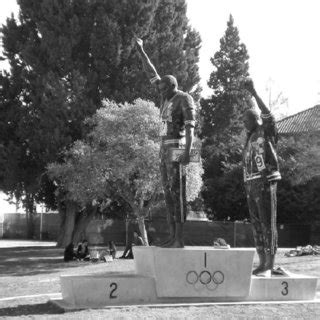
pixel 83 251
pixel 126 249
pixel 129 240
pixel 109 254
pixel 69 253
pixel 137 241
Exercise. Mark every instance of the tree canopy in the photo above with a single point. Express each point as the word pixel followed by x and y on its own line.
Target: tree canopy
pixel 65 57
pixel 119 156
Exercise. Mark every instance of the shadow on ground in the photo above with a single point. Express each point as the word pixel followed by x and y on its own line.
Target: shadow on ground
pixel 27 261
pixel 31 309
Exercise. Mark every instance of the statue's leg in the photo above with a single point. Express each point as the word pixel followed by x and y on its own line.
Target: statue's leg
pixel 262 262
pixel 271 224
pixel 253 198
pixel 165 168
pixel 179 197
pixel 267 214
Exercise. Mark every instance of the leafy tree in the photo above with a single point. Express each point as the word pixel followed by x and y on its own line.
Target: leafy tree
pixel 222 130
pixel 119 157
pixel 299 157
pixel 67 56
pixel 298 199
pixel 298 203
pixel 35 130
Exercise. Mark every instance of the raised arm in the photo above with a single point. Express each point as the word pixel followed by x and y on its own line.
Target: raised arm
pixel 148 67
pixel 268 120
pixel 248 85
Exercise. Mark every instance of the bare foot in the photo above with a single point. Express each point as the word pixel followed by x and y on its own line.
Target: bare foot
pixel 259 269
pixel 264 273
pixel 281 272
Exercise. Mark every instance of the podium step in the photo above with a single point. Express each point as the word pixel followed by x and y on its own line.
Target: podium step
pixel 99 290
pixel 116 289
pixel 279 288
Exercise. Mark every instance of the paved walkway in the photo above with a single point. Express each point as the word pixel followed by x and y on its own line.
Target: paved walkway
pixel 5 243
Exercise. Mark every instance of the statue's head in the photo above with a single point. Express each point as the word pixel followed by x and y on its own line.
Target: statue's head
pixel 168 85
pixel 251 119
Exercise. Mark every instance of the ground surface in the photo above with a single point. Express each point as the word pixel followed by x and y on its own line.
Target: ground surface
pixel 29 277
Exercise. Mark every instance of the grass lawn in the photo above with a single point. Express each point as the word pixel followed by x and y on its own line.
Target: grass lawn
pixel 29 277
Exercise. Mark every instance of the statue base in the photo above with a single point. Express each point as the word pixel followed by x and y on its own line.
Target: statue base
pixel 191 275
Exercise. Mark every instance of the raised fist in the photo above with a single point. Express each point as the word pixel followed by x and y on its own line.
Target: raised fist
pixel 248 85
pixel 139 41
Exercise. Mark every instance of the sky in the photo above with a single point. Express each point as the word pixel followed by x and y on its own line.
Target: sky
pixel 281 36
pixel 282 39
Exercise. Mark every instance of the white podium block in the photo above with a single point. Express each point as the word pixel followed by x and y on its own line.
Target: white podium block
pixel 197 271
pixel 93 291
pixel 187 275
pixel 280 288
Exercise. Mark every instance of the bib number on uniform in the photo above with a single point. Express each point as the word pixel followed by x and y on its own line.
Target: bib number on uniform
pixel 163 128
pixel 259 162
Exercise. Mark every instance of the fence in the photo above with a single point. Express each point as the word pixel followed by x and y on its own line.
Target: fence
pixel 15 226
pixel 100 231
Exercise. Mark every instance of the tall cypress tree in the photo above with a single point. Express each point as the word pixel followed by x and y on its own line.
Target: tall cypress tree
pixel 229 100
pixel 65 57
pixel 221 123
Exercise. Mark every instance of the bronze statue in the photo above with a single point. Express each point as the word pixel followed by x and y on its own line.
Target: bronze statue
pixel 177 113
pixel 261 173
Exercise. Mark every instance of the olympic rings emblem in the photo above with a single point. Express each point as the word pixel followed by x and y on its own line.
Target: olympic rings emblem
pixel 205 278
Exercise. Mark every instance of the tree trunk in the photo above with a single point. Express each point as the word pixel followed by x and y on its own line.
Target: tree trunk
pixel 30 225
pixel 67 231
pixel 62 214
pixel 30 208
pixel 143 231
pixel 127 230
pixel 82 223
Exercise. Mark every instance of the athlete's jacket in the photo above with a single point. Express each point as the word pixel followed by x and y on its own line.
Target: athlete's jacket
pixel 259 154
pixel 176 114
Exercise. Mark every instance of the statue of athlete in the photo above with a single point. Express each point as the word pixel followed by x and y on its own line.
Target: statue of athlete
pixel 261 173
pixel 177 113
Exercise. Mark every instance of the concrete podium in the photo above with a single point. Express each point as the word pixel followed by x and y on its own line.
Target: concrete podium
pixel 196 272
pixel 188 275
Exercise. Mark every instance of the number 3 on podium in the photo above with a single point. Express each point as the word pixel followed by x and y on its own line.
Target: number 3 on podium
pixel 285 287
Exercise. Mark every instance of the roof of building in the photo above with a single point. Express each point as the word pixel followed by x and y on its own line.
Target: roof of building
pixel 305 121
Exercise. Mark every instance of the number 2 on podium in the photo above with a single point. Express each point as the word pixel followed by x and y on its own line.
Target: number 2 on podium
pixel 113 287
